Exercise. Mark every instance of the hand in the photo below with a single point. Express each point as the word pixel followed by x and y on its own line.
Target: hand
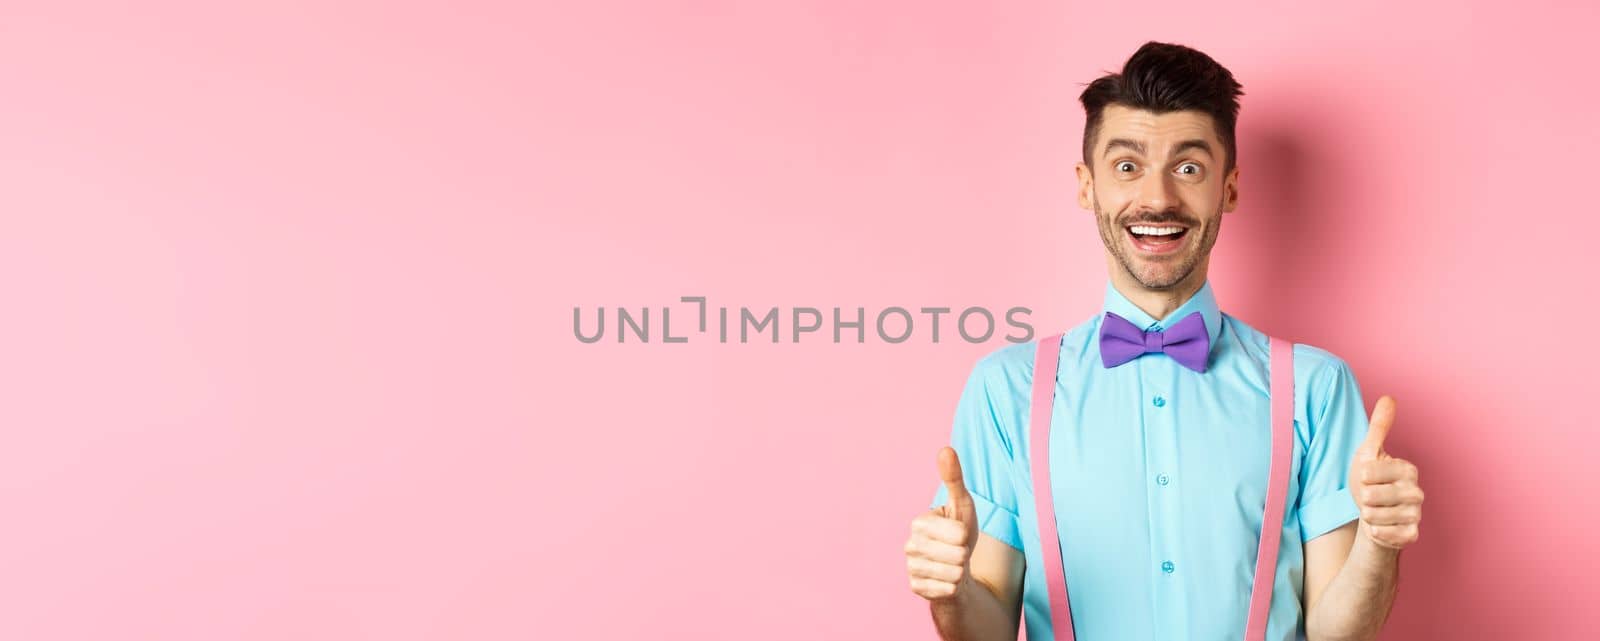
pixel 940 548
pixel 1385 487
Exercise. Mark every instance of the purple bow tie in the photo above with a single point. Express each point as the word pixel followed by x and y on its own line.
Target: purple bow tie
pixel 1187 341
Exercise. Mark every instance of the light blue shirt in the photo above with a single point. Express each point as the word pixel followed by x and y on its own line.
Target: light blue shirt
pixel 1160 476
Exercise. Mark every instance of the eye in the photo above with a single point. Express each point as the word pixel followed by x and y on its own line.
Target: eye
pixel 1125 166
pixel 1189 169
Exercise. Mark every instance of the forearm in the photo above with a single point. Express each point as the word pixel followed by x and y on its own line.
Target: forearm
pixel 973 613
pixel 1358 599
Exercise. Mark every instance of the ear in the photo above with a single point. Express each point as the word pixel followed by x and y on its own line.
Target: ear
pixel 1230 190
pixel 1085 187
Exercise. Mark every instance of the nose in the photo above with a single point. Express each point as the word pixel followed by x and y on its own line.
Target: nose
pixel 1156 193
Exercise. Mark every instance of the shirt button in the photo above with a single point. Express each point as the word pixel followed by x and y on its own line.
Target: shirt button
pixel 1161 479
pixel 1168 567
pixel 1159 402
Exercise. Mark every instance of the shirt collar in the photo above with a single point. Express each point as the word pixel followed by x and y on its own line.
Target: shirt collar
pixel 1203 301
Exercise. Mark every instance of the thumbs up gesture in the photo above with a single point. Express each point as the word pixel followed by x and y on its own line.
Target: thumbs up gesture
pixel 1385 487
pixel 940 548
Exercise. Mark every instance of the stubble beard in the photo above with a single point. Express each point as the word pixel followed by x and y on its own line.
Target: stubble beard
pixel 1112 234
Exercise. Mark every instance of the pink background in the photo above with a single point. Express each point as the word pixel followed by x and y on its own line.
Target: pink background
pixel 289 289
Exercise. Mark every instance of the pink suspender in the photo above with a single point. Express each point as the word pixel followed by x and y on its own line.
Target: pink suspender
pixel 1044 398
pixel 1281 389
pixel 1282 393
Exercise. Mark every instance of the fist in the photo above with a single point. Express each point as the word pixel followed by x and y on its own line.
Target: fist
pixel 1385 488
pixel 940 547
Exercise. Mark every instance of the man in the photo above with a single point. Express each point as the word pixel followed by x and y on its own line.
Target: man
pixel 1160 465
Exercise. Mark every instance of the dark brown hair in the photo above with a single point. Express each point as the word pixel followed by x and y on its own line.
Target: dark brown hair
pixel 1160 78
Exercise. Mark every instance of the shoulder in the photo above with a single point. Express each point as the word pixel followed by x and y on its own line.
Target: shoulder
pixel 994 396
pixel 1322 379
pixel 1003 369
pixel 1312 364
pixel 1012 364
pixel 1315 365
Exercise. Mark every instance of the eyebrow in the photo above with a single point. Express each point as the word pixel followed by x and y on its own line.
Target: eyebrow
pixel 1138 147
pixel 1193 144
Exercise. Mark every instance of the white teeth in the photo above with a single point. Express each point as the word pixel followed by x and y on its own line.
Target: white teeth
pixel 1146 230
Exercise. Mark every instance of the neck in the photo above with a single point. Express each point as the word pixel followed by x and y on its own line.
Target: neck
pixel 1158 303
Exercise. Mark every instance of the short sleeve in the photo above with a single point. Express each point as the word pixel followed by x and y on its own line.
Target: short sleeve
pixel 1337 425
pixel 978 437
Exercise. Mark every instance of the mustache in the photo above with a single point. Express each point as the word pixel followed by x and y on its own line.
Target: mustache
pixel 1165 218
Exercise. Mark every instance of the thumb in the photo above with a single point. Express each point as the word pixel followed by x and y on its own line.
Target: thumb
pixel 1377 430
pixel 960 500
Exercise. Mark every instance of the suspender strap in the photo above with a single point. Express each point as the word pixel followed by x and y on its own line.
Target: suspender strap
pixel 1282 392
pixel 1044 397
pixel 1282 402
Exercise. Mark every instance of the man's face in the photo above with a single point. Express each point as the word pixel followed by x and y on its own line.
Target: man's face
pixel 1158 192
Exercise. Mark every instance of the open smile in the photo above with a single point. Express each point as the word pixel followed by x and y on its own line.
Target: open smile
pixel 1157 239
